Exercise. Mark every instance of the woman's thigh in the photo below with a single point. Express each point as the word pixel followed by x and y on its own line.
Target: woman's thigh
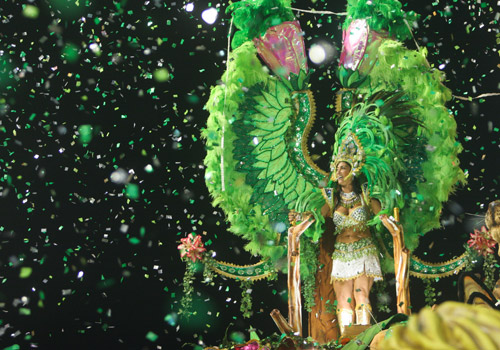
pixel 362 286
pixel 343 291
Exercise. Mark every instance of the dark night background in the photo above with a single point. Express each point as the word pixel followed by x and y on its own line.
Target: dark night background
pixel 94 88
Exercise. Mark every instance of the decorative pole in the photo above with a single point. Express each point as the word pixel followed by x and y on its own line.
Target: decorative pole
pixel 294 299
pixel 401 262
pixel 280 321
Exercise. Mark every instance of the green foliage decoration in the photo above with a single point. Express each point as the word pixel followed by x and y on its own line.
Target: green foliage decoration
pixel 429 292
pixel 489 270
pixel 246 298
pixel 188 289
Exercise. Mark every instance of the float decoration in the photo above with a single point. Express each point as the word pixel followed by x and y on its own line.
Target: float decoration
pixel 481 241
pixel 258 166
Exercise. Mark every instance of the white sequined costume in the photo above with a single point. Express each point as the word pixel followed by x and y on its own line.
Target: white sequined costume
pixel 351 260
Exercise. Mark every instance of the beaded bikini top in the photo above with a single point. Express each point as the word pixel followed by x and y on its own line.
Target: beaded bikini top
pixel 356 218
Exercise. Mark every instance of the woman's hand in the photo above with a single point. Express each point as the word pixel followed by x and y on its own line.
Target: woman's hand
pixel 305 220
pixel 298 229
pixel 293 217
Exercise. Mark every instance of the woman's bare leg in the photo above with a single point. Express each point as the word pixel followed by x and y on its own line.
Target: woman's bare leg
pixel 362 286
pixel 343 292
pixel 345 313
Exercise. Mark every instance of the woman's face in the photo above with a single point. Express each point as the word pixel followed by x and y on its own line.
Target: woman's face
pixel 343 169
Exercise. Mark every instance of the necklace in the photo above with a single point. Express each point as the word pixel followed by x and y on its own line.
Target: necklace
pixel 349 200
pixel 348 195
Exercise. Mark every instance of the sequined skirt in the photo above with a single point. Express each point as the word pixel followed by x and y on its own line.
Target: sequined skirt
pixel 351 260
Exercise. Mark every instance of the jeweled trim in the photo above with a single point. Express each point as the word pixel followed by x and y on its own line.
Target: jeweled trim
pixel 350 251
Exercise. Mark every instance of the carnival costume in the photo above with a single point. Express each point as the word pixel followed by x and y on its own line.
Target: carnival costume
pixel 350 260
pixel 391 110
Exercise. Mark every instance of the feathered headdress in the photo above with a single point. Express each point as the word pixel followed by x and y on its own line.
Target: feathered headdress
pixel 369 138
pixel 351 152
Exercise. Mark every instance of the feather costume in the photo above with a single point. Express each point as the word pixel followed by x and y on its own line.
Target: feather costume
pixel 258 166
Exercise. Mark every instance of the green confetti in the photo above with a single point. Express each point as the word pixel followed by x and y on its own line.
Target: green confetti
pixel 30 11
pixel 161 75
pixel 24 311
pixel 70 53
pixel 151 336
pixel 134 240
pixel 13 347
pixel 132 191
pixel 171 319
pixel 85 132
pixel 25 272
pixel 237 337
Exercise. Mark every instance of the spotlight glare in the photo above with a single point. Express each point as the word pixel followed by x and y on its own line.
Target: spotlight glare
pixel 317 54
pixel 209 15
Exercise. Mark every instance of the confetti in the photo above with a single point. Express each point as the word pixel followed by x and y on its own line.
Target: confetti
pixel 31 11
pixel 25 272
pixel 102 172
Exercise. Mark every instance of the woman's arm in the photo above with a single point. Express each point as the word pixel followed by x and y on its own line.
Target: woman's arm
pixel 294 216
pixel 375 204
pixel 325 210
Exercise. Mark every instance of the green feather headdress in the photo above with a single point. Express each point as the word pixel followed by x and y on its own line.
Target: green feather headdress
pixel 369 138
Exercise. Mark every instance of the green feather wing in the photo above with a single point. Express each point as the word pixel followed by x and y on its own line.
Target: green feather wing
pixel 252 168
pixel 264 150
pixel 226 185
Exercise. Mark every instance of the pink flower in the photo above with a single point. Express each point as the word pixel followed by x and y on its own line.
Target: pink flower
pixel 283 49
pixel 192 247
pixel 251 345
pixel 482 242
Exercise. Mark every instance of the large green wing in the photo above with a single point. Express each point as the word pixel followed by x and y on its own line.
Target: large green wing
pixel 264 148
pixel 257 166
pixel 262 151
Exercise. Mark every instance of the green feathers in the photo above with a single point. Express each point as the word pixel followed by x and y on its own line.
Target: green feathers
pixel 382 15
pixel 369 122
pixel 253 18
pixel 257 168
pixel 226 185
pixel 250 173
pixel 431 163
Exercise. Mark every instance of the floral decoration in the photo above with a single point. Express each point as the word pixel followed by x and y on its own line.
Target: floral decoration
pixel 481 241
pixel 192 247
pixel 251 345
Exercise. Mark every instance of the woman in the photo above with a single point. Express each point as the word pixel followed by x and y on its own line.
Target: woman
pixel 355 259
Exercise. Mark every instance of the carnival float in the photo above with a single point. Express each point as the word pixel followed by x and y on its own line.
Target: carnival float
pixel 335 231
